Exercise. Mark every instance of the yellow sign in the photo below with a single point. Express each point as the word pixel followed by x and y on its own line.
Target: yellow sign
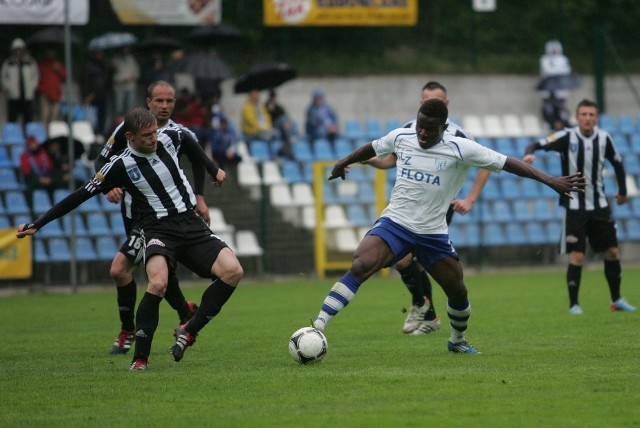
pixel 282 13
pixel 15 255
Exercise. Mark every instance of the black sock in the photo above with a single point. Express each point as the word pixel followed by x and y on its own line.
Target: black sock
pixel 174 297
pixel 613 274
pixel 126 305
pixel 574 275
pixel 412 280
pixel 213 298
pixel 147 318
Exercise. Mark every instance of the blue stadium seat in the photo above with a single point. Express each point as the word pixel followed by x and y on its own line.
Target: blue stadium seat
pixel 342 147
pixel 631 164
pixel 5 160
pixel 626 124
pixel 85 251
pixel 291 171
pixel 78 222
pixel 522 210
pixel 554 232
pixel 491 191
pixel 81 172
pixel 543 210
pixel 41 202
pixel 515 234
pixel 106 247
pixel 60 194
pixel 53 229
pixel 492 235
pixel 373 129
pixel 472 235
pixel 606 121
pixel 329 194
pixel 8 180
pixel 323 150
pixel 353 129
pixel 97 224
pixel 366 193
pixel 16 203
pixel 536 233
pixel 622 211
pixel 633 229
pixel 529 189
pixel 357 215
pixel 501 211
pixel 117 224
pixel 90 205
pixel 59 250
pixel 39 251
pixel 509 187
pixel 5 223
pixel 108 206
pixel 504 145
pixel 302 151
pixel 392 124
pixel 12 134
pixel 16 153
pixel 259 150
pixel 37 130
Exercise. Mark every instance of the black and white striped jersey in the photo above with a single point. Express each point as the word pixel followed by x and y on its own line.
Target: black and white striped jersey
pixel 587 155
pixel 155 181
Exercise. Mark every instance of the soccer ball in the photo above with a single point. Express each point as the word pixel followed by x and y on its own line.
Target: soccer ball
pixel 308 345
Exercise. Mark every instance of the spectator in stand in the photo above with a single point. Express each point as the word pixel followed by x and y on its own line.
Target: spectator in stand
pixel 554 63
pixel 20 78
pixel 282 123
pixel 96 86
pixel 52 78
pixel 255 120
pixel 36 166
pixel 126 73
pixel 322 121
pixel 190 113
pixel 222 143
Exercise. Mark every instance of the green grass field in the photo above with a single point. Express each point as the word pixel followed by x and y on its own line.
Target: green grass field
pixel 539 366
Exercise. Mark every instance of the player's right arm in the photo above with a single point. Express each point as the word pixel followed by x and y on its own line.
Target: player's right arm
pixel 108 177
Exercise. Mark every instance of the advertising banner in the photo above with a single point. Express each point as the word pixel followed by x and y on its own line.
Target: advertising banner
pixel 15 255
pixel 45 12
pixel 168 12
pixel 281 13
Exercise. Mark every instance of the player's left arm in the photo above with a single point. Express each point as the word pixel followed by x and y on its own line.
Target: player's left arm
pixel 197 155
pixel 197 168
pixel 614 157
pixel 360 154
pixel 562 185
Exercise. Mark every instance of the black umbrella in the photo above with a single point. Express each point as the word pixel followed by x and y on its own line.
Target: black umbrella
pixel 204 66
pixel 159 43
pixel 215 33
pixel 52 36
pixel 63 141
pixel 264 76
pixel 559 83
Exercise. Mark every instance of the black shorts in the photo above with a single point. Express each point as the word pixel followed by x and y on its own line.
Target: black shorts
pixel 133 247
pixel 597 226
pixel 184 238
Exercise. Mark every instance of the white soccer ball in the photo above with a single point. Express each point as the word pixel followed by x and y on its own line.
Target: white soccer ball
pixel 308 345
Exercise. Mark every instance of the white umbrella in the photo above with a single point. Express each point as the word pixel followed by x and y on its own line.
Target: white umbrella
pixel 112 41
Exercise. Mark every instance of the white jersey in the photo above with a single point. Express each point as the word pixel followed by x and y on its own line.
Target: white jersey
pixel 428 180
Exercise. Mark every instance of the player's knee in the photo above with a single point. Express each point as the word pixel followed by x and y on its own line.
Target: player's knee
pixel 612 253
pixel 121 271
pixel 576 258
pixel 228 269
pixel 157 286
